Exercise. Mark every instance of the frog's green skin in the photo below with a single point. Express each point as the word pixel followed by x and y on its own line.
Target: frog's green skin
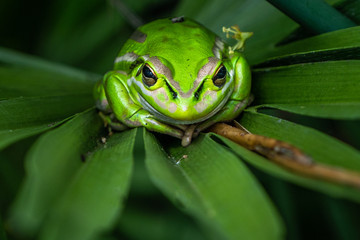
pixel 185 57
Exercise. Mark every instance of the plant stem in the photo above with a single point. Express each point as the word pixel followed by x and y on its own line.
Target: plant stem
pixel 315 15
pixel 287 156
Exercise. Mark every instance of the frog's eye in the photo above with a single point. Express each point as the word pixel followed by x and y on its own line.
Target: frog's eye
pixel 220 76
pixel 148 76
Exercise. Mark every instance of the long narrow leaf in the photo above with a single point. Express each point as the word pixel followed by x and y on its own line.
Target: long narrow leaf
pixel 7 137
pixel 95 196
pixel 24 75
pixel 24 117
pixel 33 111
pixel 347 53
pixel 345 38
pixel 323 89
pixel 50 164
pixel 213 186
pixel 315 15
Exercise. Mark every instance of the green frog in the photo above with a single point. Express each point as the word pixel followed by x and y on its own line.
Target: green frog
pixel 176 77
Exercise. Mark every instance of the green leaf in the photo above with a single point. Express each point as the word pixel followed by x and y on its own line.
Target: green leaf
pixel 7 137
pixel 24 75
pixel 349 53
pixel 350 8
pixel 95 194
pixel 322 89
pixel 33 111
pixel 73 39
pixel 322 148
pixel 52 93
pixel 213 186
pixel 89 33
pixel 50 164
pixel 24 117
pixel 315 15
pixel 341 39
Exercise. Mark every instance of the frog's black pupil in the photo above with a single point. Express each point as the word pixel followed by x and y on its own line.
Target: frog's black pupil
pixel 221 73
pixel 148 73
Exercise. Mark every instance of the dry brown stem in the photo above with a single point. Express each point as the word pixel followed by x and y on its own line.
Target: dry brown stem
pixel 287 156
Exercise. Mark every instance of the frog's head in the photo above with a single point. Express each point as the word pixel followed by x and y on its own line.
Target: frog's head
pixel 180 72
pixel 178 93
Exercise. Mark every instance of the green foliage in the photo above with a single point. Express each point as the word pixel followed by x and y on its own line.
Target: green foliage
pixel 308 12
pixel 209 183
pixel 58 155
pixel 79 214
pixel 323 149
pixel 77 178
pixel 322 89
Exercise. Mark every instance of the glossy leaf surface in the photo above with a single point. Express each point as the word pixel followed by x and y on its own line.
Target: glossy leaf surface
pixel 212 185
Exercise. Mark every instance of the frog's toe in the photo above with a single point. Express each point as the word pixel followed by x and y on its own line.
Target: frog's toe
pixel 117 126
pixel 198 130
pixel 112 122
pixel 157 126
pixel 188 135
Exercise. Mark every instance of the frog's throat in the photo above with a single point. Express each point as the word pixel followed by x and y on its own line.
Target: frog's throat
pixel 162 117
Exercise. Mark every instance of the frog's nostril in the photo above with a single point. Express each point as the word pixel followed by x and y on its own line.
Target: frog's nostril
pixel 198 91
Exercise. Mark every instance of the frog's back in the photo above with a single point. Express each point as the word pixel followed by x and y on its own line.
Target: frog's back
pixel 179 40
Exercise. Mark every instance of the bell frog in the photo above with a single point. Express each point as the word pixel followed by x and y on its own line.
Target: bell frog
pixel 175 77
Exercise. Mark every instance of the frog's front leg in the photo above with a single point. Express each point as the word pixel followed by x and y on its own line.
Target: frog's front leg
pixel 105 111
pixel 130 113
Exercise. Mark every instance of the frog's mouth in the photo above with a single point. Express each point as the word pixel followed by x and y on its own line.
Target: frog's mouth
pixel 164 118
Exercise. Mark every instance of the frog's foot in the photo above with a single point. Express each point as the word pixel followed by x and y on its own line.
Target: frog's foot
pixel 154 125
pixel 188 135
pixel 238 35
pixel 111 121
pixel 143 118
